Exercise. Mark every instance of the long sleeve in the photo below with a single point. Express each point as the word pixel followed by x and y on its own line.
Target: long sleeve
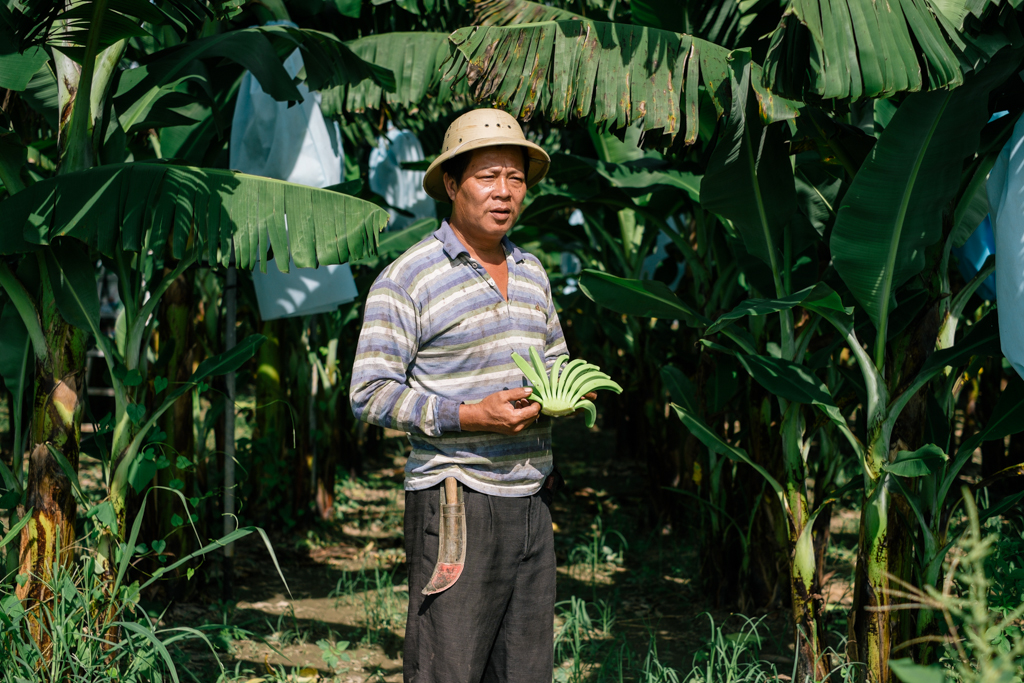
pixel 388 343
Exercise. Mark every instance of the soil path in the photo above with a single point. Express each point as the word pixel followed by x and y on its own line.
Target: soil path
pixel 344 617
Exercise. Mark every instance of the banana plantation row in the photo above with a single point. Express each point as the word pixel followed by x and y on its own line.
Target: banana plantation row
pixel 757 221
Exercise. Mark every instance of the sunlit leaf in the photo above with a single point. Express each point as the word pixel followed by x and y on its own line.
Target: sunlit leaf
pixel 157 205
pixel 849 49
pixel 613 74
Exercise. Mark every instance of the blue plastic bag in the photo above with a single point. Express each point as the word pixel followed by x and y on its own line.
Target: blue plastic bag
pixel 971 257
pixel 1006 207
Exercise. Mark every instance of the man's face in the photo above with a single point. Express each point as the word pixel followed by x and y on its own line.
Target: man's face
pixel 490 196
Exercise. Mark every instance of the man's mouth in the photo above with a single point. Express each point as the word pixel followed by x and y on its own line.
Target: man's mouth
pixel 501 214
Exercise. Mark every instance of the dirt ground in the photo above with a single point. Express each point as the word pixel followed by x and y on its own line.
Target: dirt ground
pixel 341 617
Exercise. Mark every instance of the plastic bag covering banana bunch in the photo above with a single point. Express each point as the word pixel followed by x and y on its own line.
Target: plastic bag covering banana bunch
pixel 561 393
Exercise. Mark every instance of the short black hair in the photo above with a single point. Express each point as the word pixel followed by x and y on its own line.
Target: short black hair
pixel 457 165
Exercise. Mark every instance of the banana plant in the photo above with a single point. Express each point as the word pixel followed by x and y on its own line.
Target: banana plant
pixel 877 244
pixel 133 216
pixel 750 158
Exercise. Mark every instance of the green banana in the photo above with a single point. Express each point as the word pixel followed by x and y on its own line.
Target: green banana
pixel 556 368
pixel 542 374
pixel 568 374
pixel 561 390
pixel 586 372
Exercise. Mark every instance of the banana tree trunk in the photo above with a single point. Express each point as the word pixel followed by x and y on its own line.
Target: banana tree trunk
pixel 870 637
pixel 302 403
pixel 176 328
pixel 272 430
pixel 56 423
pixel 805 596
pixel 768 554
pixel 326 471
pixel 805 591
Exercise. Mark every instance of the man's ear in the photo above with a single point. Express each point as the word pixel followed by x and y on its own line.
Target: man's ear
pixel 451 187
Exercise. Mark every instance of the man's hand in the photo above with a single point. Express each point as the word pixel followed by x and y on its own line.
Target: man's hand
pixel 503 412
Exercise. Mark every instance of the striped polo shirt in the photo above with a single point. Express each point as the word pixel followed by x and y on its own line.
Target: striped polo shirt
pixel 437 333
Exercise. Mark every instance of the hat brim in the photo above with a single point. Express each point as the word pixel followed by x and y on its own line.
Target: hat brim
pixel 433 180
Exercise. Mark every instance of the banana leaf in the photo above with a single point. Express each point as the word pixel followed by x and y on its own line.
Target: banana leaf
pixel 414 59
pixel 17 68
pixel 16 365
pixel 328 62
pixel 957 11
pixel 609 74
pixel 850 49
pixel 640 176
pixel 509 12
pixel 750 161
pixel 154 206
pixel 644 298
pixel 893 209
pixel 733 23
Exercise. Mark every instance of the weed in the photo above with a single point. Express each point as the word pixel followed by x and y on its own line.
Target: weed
pixel 653 671
pixel 344 589
pixel 384 607
pixel 726 658
pixel 581 637
pixel 271 674
pixel 80 636
pixel 285 633
pixel 596 551
pixel 383 603
pixel 985 641
pixel 334 654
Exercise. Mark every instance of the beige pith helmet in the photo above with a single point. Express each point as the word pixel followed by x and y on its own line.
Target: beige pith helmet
pixel 483 128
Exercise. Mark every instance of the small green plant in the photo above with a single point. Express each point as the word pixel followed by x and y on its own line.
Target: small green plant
pixel 581 637
pixel 596 551
pixel 344 589
pixel 562 392
pixel 383 606
pixel 652 670
pixel 334 654
pixel 287 631
pixel 725 658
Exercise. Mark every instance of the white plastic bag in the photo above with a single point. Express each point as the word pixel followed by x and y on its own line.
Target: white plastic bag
pixel 400 187
pixel 271 139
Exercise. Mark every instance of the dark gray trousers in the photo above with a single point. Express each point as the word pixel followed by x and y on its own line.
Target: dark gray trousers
pixel 495 625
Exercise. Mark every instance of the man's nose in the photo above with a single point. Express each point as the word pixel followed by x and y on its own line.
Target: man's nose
pixel 502 187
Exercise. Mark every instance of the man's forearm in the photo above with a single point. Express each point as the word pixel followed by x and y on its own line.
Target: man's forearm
pixel 389 403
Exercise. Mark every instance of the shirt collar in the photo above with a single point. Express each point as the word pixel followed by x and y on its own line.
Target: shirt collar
pixel 453 247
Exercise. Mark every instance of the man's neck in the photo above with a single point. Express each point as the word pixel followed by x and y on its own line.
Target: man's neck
pixel 484 250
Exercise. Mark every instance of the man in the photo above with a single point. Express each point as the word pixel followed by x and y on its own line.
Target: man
pixel 434 360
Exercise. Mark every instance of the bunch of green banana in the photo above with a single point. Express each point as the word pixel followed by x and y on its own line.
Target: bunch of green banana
pixel 562 393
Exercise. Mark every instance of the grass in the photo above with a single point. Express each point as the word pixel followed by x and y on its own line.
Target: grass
pixel 596 550
pixel 383 602
pixel 82 637
pixel 628 608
